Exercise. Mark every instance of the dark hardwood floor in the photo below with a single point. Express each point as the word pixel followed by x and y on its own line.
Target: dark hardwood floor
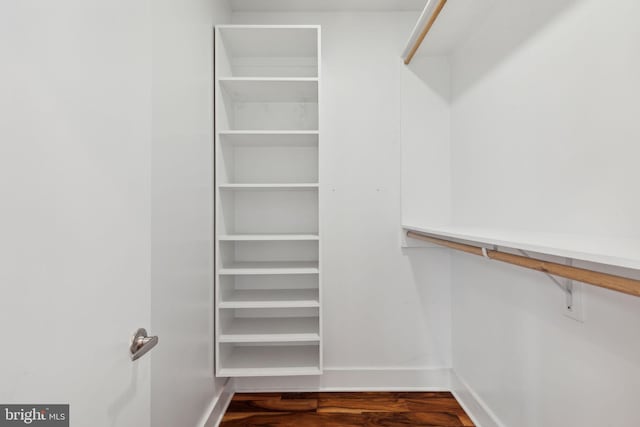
pixel 425 409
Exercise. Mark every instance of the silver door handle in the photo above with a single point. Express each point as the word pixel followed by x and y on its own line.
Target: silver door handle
pixel 141 344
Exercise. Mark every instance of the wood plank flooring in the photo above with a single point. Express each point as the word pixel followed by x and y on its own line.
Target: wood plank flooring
pixel 424 409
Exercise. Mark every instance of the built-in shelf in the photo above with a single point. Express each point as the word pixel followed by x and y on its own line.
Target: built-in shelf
pixel 270 138
pixel 302 90
pixel 274 186
pixel 271 298
pixel 271 329
pixel 226 80
pixel 268 276
pixel 267 132
pixel 256 361
pixel 619 252
pixel 267 237
pixel 269 50
pixel 268 268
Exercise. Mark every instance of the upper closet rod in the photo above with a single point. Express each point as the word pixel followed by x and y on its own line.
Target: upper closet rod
pixel 603 280
pixel 428 17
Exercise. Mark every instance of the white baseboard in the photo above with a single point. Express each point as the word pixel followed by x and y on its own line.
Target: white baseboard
pixel 360 379
pixel 350 379
pixel 218 406
pixel 474 406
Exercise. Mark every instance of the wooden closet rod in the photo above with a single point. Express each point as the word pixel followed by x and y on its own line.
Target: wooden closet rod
pixel 425 30
pixel 603 280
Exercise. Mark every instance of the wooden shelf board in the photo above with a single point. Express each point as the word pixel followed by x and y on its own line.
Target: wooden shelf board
pixel 255 361
pixel 269 372
pixel 271 298
pixel 250 89
pixel 266 268
pixel 268 79
pixel 269 132
pixel 271 329
pixel 267 237
pixel 274 186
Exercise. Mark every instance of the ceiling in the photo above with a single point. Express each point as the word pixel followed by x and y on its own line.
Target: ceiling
pixel 325 5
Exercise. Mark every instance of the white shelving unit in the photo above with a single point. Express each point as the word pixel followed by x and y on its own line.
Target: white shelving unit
pixel 267 237
pixel 267 329
pixel 270 298
pixel 277 359
pixel 265 268
pixel 268 267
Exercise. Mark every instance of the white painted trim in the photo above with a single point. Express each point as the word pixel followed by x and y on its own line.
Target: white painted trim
pixel 473 405
pixel 218 406
pixel 353 379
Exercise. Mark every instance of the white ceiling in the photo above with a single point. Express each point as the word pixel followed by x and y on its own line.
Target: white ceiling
pixel 325 5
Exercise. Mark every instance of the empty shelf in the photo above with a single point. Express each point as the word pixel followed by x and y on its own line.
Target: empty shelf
pixel 262 268
pixel 267 132
pixel 274 186
pixel 271 298
pixel 275 41
pixel 270 138
pixel 250 89
pixel 257 361
pixel 271 329
pixel 267 237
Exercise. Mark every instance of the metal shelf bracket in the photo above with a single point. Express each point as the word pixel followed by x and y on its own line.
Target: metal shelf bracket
pixel 566 285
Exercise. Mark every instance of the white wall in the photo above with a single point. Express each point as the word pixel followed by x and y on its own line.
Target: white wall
pixel 548 107
pixel 75 123
pixel 383 309
pixel 545 137
pixel 426 135
pixel 82 100
pixel 183 384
